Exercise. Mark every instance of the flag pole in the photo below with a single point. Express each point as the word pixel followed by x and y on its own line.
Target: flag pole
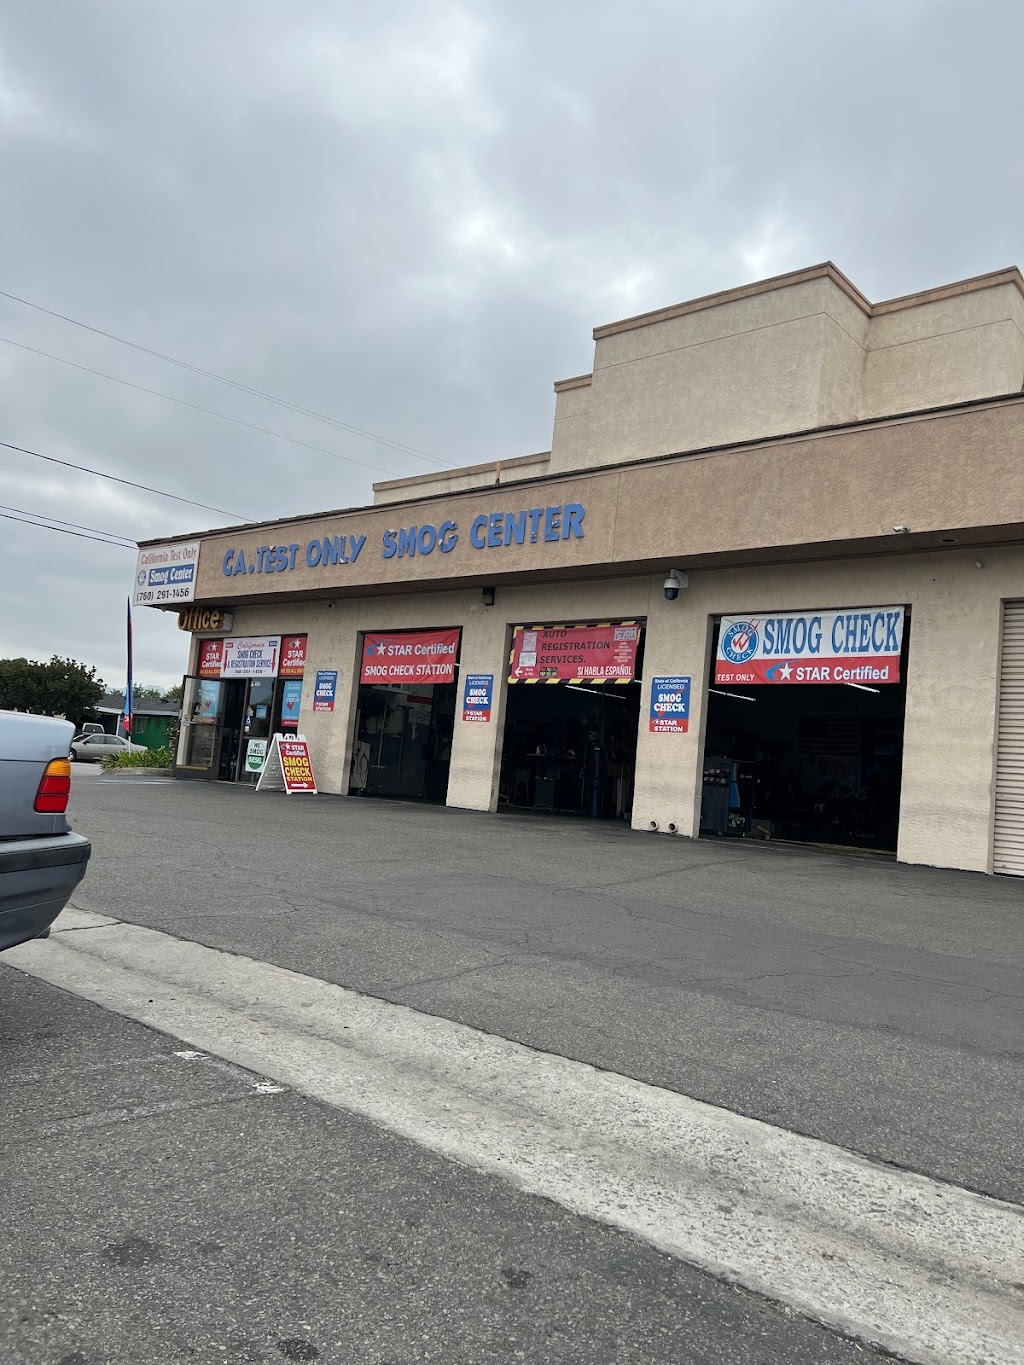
pixel 129 704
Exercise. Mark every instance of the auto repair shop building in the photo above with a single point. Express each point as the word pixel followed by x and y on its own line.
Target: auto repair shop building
pixel 767 583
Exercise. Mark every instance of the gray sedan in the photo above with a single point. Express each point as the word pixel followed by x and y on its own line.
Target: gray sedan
pixel 91 748
pixel 41 860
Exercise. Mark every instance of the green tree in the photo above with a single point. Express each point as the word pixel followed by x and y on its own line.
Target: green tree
pixel 174 693
pixel 59 687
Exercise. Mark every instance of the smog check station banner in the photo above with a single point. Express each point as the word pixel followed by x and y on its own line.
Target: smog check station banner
pixel 859 645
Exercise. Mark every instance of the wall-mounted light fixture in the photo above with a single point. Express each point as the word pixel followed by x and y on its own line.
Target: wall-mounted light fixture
pixel 489 595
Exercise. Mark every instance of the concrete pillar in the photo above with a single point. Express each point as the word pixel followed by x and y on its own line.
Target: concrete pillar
pixel 476 746
pixel 669 767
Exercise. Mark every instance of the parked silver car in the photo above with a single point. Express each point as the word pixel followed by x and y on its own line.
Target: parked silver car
pixel 91 748
pixel 41 860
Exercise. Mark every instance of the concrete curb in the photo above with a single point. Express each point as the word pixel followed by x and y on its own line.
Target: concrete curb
pixel 136 772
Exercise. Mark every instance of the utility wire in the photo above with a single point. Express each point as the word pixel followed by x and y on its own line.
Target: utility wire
pixel 232 383
pixel 43 518
pixel 84 469
pixel 118 544
pixel 196 407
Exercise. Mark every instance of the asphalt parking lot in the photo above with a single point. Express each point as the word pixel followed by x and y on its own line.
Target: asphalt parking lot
pixel 874 1005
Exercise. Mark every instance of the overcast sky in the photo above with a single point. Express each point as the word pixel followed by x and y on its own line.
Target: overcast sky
pixel 410 216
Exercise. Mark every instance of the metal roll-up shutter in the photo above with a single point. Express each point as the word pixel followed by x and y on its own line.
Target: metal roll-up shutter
pixel 1008 840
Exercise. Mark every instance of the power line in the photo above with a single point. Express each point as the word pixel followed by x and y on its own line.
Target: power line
pixel 145 488
pixel 120 545
pixel 232 383
pixel 43 518
pixel 196 407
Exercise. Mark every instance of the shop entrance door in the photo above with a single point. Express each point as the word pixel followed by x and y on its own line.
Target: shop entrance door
pixel 571 719
pixel 809 763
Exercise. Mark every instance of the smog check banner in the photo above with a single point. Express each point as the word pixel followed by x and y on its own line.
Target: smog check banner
pixel 426 656
pixel 852 645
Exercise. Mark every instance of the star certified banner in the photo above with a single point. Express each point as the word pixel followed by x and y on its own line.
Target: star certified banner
pixel 426 656
pixel 596 653
pixel 859 645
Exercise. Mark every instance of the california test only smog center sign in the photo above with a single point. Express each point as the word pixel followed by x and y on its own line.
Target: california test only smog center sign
pixel 166 573
pixel 858 645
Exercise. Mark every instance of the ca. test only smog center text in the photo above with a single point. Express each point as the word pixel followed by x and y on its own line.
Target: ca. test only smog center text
pixel 488 531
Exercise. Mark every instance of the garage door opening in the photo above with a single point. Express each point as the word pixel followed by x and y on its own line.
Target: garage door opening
pixel 571 720
pixel 810 761
pixel 405 714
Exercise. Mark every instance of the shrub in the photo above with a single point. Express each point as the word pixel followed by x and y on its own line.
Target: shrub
pixel 149 758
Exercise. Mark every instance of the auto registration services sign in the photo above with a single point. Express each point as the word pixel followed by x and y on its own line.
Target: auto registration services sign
pixel 859 645
pixel 596 653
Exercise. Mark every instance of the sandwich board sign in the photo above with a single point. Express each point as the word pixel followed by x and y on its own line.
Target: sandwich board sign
pixel 287 767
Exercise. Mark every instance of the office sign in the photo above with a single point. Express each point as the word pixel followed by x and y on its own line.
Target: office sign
pixel 858 645
pixel 211 658
pixel 595 653
pixel 670 706
pixel 166 573
pixel 424 656
pixel 293 656
pixel 248 656
pixel 205 618
pixel 326 689
pixel 476 699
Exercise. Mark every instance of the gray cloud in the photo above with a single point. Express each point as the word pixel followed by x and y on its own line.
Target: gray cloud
pixel 411 216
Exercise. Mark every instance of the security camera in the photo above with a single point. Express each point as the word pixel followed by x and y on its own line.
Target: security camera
pixel 674 582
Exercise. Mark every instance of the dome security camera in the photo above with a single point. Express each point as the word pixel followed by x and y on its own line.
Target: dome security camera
pixel 675 581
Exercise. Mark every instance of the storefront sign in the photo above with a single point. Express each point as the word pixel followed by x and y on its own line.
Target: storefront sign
pixel 291 699
pixel 476 700
pixel 426 656
pixel 256 755
pixel 251 656
pixel 166 573
pixel 205 618
pixel 601 653
pixel 211 658
pixel 326 689
pixel 293 656
pixel 488 531
pixel 670 706
pixel 848 645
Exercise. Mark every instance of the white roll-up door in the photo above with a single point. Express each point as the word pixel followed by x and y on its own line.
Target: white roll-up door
pixel 1008 842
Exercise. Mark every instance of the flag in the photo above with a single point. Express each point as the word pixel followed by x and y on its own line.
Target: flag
pixel 129 704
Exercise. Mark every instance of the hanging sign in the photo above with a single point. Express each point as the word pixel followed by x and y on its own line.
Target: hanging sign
pixel 597 653
pixel 476 700
pixel 287 767
pixel 670 706
pixel 326 689
pixel 291 699
pixel 251 656
pixel 426 656
pixel 848 645
pixel 211 658
pixel 293 656
pixel 166 573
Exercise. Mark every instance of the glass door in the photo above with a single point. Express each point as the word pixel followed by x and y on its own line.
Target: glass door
pixel 199 741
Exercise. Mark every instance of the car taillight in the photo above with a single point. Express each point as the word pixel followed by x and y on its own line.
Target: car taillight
pixel 55 788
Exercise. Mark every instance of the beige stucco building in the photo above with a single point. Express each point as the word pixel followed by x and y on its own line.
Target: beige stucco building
pixel 805 460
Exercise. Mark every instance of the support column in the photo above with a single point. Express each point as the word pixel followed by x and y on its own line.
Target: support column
pixel 669 767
